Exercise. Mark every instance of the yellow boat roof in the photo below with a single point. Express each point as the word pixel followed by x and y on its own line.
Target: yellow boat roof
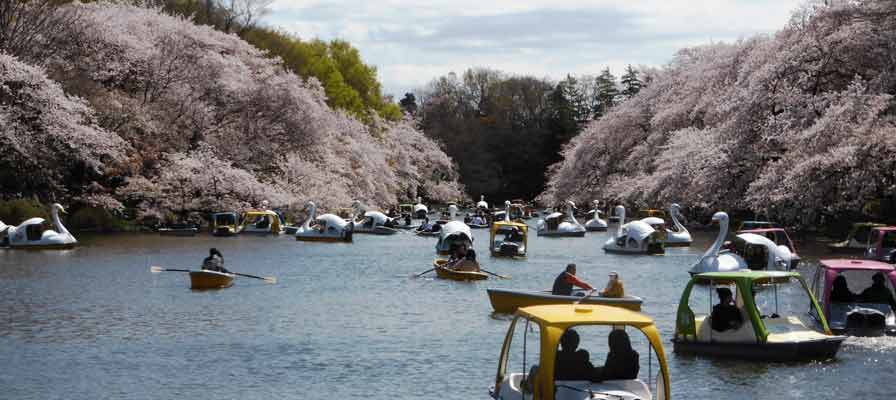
pixel 585 314
pixel 256 213
pixel 508 223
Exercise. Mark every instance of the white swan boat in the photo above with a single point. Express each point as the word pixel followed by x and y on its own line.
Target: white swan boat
pixel 373 222
pixel 678 236
pixel 4 241
pixel 327 227
pixel 29 234
pixel 761 253
pixel 560 225
pixel 453 233
pixel 420 210
pixel 596 223
pixel 716 260
pixel 482 205
pixel 636 237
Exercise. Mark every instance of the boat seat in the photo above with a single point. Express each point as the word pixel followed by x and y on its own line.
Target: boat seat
pixel 789 329
pixel 563 389
pixel 743 334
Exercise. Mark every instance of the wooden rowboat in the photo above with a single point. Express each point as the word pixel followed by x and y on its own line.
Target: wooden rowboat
pixel 446 273
pixel 508 300
pixel 210 280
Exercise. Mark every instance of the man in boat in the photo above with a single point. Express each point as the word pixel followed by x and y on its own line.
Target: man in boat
pixel 566 280
pixel 572 363
pixel 840 292
pixel 514 235
pixel 614 286
pixel 214 261
pixel 725 315
pixel 463 259
pixel 878 293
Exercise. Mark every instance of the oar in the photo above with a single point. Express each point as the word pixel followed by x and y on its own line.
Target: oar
pixel 494 274
pixel 424 272
pixel 268 279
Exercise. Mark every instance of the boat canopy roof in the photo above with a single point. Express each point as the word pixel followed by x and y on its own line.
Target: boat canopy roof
pixel 864 224
pixel 760 277
pixel 763 230
pixel 224 213
pixel 258 213
pixel 554 215
pixel 885 228
pixel 639 230
pixel 32 221
pixel 846 264
pixel 377 217
pixel 654 221
pixel 757 240
pixel 454 228
pixel 331 220
pixel 585 314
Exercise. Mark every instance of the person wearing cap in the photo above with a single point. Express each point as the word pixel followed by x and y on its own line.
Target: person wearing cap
pixel 878 293
pixel 566 280
pixel 614 287
pixel 725 315
pixel 214 261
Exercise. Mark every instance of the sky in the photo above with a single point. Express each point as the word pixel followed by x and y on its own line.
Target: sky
pixel 412 42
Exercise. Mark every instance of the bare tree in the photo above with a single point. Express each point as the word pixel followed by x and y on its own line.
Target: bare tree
pixel 240 15
pixel 30 29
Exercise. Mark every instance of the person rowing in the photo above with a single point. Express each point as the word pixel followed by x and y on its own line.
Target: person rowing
pixel 214 261
pixel 566 280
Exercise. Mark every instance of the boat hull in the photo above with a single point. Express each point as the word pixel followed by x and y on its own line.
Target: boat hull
pixel 562 234
pixel 380 230
pixel 474 226
pixel 508 301
pixel 596 228
pixel 677 244
pixel 820 349
pixel 201 280
pixel 57 246
pixel 445 273
pixel 224 231
pixel 324 239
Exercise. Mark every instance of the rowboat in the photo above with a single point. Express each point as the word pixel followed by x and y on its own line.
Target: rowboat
pixel 210 280
pixel 445 273
pixel 508 300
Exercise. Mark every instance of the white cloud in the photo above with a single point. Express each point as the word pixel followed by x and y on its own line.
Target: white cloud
pixel 412 42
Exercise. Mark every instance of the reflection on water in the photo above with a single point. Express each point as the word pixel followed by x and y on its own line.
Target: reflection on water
pixel 344 320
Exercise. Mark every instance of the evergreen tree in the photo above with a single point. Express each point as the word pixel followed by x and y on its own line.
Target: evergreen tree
pixel 606 92
pixel 409 104
pixel 631 85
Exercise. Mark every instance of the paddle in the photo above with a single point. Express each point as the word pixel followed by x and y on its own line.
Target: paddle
pixel 424 272
pixel 267 279
pixel 494 274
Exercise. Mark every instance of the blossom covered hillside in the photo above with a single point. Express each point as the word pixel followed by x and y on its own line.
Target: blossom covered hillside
pixel 799 126
pixel 199 120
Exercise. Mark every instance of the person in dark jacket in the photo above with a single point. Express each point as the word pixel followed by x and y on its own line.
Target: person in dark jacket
pixel 572 364
pixel 840 292
pixel 214 261
pixel 878 293
pixel 566 280
pixel 622 360
pixel 725 315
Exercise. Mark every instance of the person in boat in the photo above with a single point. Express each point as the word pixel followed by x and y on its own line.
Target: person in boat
pixel 426 226
pixel 840 292
pixel 572 363
pixel 513 235
pixel 566 280
pixel 614 286
pixel 407 220
pixel 214 261
pixel 878 293
pixel 622 360
pixel 463 259
pixel 725 315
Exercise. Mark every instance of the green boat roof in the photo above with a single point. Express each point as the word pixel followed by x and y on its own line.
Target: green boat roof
pixel 752 276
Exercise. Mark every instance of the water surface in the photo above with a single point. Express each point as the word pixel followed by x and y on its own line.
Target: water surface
pixel 344 321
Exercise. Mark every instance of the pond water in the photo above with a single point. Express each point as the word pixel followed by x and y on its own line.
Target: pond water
pixel 344 321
